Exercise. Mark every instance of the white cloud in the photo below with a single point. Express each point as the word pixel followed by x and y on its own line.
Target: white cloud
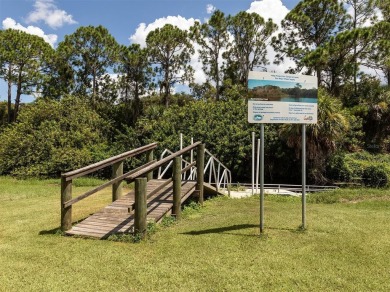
pixel 47 11
pixel 269 9
pixel 139 37
pixel 9 23
pixel 210 8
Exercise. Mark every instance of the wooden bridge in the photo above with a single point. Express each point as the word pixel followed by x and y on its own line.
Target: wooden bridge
pixel 151 199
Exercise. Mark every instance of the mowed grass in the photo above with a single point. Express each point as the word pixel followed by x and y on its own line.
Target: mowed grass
pixel 346 246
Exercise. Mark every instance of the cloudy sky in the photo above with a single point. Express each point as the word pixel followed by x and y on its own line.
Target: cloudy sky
pixel 129 21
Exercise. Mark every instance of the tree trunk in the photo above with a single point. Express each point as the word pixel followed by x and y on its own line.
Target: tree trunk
pixel 166 88
pixel 166 96
pixel 355 66
pixel 18 93
pixel 9 104
pixel 217 85
pixel 216 77
pixel 93 89
pixel 318 71
pixel 136 104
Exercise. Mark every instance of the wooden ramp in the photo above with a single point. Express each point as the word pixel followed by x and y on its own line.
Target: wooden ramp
pixel 118 217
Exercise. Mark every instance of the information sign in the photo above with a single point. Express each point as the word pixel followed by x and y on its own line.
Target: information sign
pixel 282 98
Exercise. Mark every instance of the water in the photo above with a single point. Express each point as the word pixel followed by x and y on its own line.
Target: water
pixel 299 99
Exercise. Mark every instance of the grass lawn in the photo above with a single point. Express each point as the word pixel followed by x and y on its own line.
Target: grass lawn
pixel 346 246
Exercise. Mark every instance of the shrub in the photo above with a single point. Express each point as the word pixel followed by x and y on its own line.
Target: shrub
pixel 363 166
pixel 51 137
pixel 375 176
pixel 337 168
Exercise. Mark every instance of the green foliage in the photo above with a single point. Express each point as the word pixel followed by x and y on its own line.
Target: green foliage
pixel 51 137
pixel 191 207
pixel 375 176
pixel 213 38
pixel 250 34
pixel 168 221
pixel 360 167
pixel 309 25
pixel 170 51
pixel 3 113
pixel 24 60
pixel 337 169
pixel 134 81
pixel 151 228
pixel 126 238
pixel 86 55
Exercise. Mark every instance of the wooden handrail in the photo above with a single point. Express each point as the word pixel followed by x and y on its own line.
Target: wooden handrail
pixel 106 184
pixel 188 167
pixel 162 161
pixel 109 161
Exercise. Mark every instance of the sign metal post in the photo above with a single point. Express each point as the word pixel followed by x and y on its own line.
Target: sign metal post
pixel 253 162
pixel 281 99
pixel 261 178
pixel 303 176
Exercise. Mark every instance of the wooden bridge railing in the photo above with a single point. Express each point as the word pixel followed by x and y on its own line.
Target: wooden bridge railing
pixel 117 177
pixel 140 175
pixel 140 184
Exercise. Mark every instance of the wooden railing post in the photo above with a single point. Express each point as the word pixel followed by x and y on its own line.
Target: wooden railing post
pixel 200 171
pixel 66 195
pixel 149 158
pixel 176 178
pixel 117 170
pixel 140 206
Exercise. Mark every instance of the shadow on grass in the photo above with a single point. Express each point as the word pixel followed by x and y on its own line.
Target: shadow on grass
pixel 224 230
pixel 299 229
pixel 58 231
pixel 54 231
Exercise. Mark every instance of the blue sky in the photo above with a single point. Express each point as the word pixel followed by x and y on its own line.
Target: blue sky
pixel 127 20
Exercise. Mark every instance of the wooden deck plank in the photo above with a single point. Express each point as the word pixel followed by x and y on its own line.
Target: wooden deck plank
pixel 115 218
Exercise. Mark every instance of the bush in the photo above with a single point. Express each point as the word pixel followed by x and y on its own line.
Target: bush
pixel 361 166
pixel 337 169
pixel 375 176
pixel 51 137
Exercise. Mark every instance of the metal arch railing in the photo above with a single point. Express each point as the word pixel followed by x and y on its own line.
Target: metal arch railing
pixel 189 174
pixel 218 174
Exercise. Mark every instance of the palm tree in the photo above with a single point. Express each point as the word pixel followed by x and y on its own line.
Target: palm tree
pixel 321 138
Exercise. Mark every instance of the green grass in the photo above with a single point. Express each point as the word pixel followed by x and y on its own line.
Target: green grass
pixel 217 248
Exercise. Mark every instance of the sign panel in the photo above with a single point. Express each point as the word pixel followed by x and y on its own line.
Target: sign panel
pixel 282 98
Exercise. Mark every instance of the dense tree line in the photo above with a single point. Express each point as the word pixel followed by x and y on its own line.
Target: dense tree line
pixel 125 93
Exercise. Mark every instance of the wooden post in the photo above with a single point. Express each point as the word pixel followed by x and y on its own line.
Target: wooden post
pixel 117 170
pixel 176 177
pixel 149 158
pixel 200 171
pixel 140 206
pixel 66 213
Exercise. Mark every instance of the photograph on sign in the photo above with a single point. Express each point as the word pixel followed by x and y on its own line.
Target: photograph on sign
pixel 282 98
